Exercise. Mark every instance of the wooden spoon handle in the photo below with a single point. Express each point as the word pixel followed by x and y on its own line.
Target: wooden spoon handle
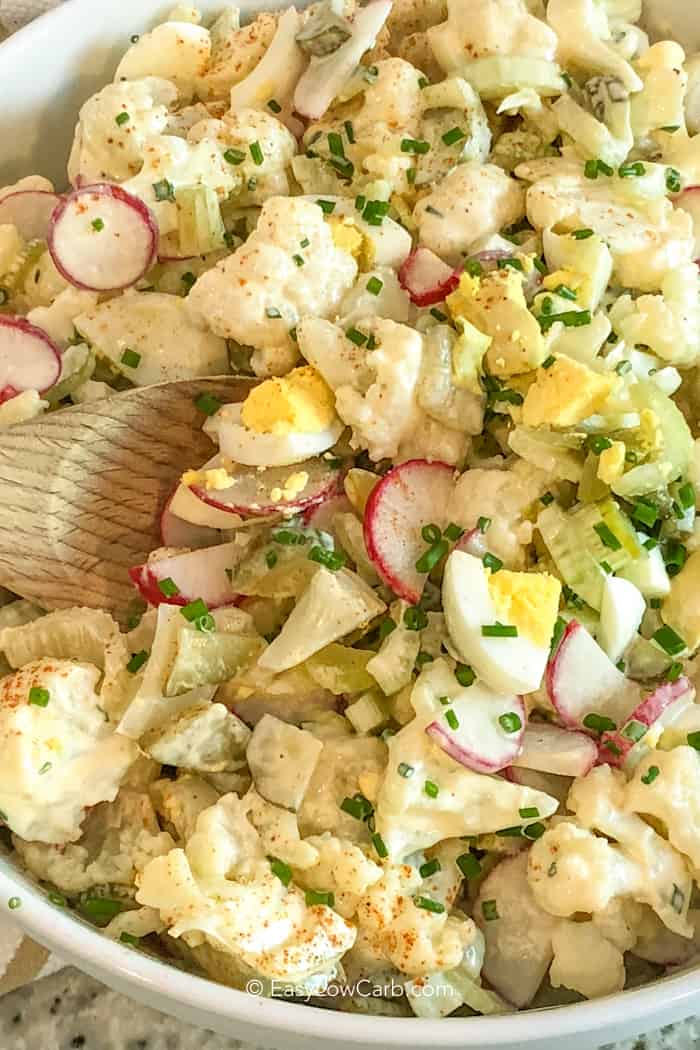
pixel 82 490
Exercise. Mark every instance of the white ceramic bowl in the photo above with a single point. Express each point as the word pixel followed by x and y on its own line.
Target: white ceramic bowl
pixel 46 72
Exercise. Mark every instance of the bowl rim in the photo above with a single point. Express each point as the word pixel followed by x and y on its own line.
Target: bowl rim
pixel 65 933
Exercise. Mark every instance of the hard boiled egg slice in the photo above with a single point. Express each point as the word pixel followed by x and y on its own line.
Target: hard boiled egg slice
pixel 282 421
pixel 621 614
pixel 500 623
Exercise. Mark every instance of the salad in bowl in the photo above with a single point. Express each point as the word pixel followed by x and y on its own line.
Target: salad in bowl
pixel 403 717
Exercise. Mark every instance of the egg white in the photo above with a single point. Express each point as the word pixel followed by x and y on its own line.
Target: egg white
pixel 505 664
pixel 251 449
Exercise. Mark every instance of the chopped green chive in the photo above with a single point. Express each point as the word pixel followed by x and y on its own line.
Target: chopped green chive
pixel 428 904
pixel 49 765
pixel 428 561
pixel 164 190
pixel 58 899
pixel 609 745
pixel 14 903
pixel 423 658
pixel 168 587
pixel 414 618
pixel 452 720
pixel 590 169
pixel 414 146
pixel 489 909
pixel 499 630
pixel 137 661
pixel 674 671
pixel 206 624
pixel 677 899
pixel 465 675
pixel 333 560
pixel 274 106
pixel 606 567
pixel 646 512
pixel 549 361
pixel 103 908
pixel 411 176
pixel 349 131
pixel 510 722
pixel 453 532
pixel 673 180
pixel 483 524
pixel 327 207
pixel 596 443
pixel 131 358
pixel 129 938
pixel 529 812
pixel 469 865
pixel 189 280
pixel 386 627
pixel 514 264
pixel 599 723
pixel 256 153
pixel 335 144
pixel 272 312
pixel 379 845
pixel 565 292
pixel 38 696
pixel 623 367
pixel 686 496
pixel 572 598
pixel 429 868
pixel 473 267
pixel 280 870
pixel 358 807
pixel 634 730
pixel 582 235
pixel 607 536
pixel 121 119
pixel 552 870
pixel 271 559
pixel 569 318
pixel 628 171
pixel 234 156
pixel 534 831
pixel 375 212
pixel 208 404
pixel 675 557
pixel 431 533
pixel 314 897
pixel 299 260
pixel 356 336
pixel 694 740
pixel 98 225
pixel 423 82
pixel 194 610
pixel 432 790
pixel 651 774
pixel 374 285
pixel 438 315
pixel 557 634
pixel 492 562
pixel 453 136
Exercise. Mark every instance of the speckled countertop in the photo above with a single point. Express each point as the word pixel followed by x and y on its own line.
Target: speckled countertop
pixel 69 1011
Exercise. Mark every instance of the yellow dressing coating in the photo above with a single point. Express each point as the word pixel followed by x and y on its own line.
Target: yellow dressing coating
pixel 527 600
pixel 565 393
pixel 300 402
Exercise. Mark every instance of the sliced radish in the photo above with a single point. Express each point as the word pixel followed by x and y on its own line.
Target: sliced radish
pixel 580 679
pixel 30 211
pixel 189 508
pixel 426 278
pixel 657 710
pixel 321 516
pixel 689 200
pixel 29 360
pixel 549 749
pixel 252 492
pixel 103 239
pixel 410 496
pixel 176 532
pixel 469 731
pixel 199 574
pixel 473 542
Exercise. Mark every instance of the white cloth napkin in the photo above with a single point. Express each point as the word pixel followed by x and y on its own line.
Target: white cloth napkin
pixel 21 959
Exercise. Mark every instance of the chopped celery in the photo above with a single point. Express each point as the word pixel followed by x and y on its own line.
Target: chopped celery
pixel 285 577
pixel 393 665
pixel 468 355
pixel 672 459
pixel 496 76
pixel 340 669
pixel 78 364
pixel 558 454
pixel 591 488
pixel 200 226
pixel 368 713
pixel 207 659
pixel 575 541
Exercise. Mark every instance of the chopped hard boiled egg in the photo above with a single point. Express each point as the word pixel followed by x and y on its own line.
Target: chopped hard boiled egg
pixel 565 393
pixel 621 613
pixel 282 421
pixel 501 623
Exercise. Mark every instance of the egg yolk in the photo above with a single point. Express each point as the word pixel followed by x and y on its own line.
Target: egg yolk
pixel 527 600
pixel 300 402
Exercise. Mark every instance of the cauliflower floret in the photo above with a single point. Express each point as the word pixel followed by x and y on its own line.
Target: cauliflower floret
pixel 467 803
pixel 647 237
pixel 415 940
pixel 206 739
pixel 585 961
pixel 669 324
pixel 236 56
pixel 240 131
pixel 345 762
pixel 179 802
pixel 57 319
pixel 176 51
pixel 583 33
pixel 391 109
pixel 118 840
pixel 473 201
pixel 282 760
pixel 672 796
pixel 504 496
pixel 60 756
pixel 259 294
pixel 279 833
pixel 490 27
pixel 263 925
pixel 451 104
pixel 342 868
pixel 105 149
pixel 660 102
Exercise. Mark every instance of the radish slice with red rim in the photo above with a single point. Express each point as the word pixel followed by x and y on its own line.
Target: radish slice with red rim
pixel 183 578
pixel 480 729
pixel 321 516
pixel 581 679
pixel 473 542
pixel 103 239
pixel 29 360
pixel 189 508
pixel 30 211
pixel 658 709
pixel 414 494
pixel 176 532
pixel 550 749
pixel 426 278
pixel 260 493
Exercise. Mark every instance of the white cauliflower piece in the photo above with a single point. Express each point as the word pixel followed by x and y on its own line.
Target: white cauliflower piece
pixel 490 27
pixel 660 102
pixel 504 496
pixel 415 941
pixel 239 131
pixel 236 56
pixel 585 40
pixel 669 324
pixel 282 760
pixel 472 202
pixel 104 149
pixel 647 237
pixel 206 738
pixel 279 832
pixel 259 294
pixel 375 390
pixel 118 840
pixel 176 51
pixel 179 802
pixel 673 796
pixel 60 756
pixel 20 409
pixel 343 868
pixel 266 927
pixel 467 803
pixel 359 303
pixel 57 319
pixel 585 961
pixel 345 763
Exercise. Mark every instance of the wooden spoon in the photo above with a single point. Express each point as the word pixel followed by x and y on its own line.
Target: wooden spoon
pixel 82 490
